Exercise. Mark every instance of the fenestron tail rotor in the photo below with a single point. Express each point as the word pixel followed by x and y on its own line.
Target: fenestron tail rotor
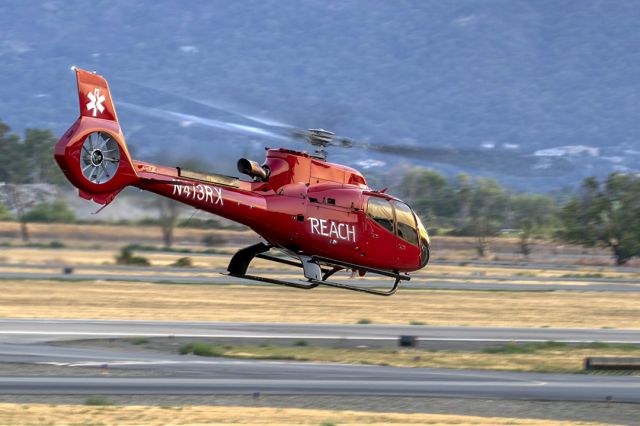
pixel 100 157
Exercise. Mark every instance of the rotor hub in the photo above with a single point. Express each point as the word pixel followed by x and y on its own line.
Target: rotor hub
pixel 320 137
pixel 97 157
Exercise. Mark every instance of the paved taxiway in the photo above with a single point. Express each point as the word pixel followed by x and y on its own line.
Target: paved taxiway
pixel 194 375
pixel 24 342
pixel 293 273
pixel 448 283
pixel 42 330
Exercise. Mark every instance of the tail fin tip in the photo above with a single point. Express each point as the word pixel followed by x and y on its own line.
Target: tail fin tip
pixel 94 95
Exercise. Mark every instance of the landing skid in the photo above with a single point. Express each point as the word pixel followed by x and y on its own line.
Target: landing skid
pixel 240 263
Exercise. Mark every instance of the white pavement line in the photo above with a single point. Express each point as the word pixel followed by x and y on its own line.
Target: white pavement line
pixel 304 336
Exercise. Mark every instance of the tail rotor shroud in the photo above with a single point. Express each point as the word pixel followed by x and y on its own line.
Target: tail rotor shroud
pixel 100 157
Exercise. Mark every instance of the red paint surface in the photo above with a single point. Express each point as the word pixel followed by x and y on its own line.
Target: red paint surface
pixel 301 192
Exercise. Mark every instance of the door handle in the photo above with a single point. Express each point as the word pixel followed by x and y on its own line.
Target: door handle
pixel 374 235
pixel 402 246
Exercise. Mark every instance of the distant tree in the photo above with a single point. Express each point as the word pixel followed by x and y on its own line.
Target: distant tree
pixel 5 214
pixel 531 214
pixel 606 214
pixel 26 161
pixel 463 191
pixel 20 202
pixel 487 211
pixel 430 194
pixel 168 212
pixel 54 212
pixel 37 150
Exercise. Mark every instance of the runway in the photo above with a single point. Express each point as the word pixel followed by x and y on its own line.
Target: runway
pixel 421 275
pixel 42 330
pixel 194 375
pixel 507 386
pixel 24 342
pixel 418 282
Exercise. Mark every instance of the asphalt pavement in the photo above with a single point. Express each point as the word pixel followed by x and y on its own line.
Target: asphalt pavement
pixel 448 283
pixel 42 330
pixel 193 375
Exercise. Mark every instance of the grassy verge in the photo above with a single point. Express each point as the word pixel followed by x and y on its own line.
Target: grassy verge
pixel 535 357
pixel 247 303
pixel 29 414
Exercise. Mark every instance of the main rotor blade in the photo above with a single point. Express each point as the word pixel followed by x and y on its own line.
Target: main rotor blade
pixel 189 119
pixel 216 106
pixel 494 160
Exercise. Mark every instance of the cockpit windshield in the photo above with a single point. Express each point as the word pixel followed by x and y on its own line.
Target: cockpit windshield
pixel 425 244
pixel 406 223
pixel 422 230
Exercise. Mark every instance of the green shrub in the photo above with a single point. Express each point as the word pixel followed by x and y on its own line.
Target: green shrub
pixel 213 251
pixel 126 257
pixel 509 348
pixel 596 275
pixel 52 244
pixel 201 349
pixel 526 348
pixel 97 400
pixel 183 262
pixel 139 341
pixel 301 343
pixel 139 247
pixel 364 321
pixel 54 212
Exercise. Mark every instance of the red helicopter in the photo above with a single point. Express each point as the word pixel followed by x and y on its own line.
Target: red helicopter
pixel 323 215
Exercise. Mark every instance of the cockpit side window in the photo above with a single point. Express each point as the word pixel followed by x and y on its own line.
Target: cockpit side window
pixel 381 211
pixel 406 223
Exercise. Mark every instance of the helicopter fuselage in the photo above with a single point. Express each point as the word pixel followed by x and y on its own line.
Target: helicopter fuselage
pixel 307 206
pixel 322 213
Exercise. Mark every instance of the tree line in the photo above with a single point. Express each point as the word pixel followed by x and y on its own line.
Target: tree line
pixel 600 213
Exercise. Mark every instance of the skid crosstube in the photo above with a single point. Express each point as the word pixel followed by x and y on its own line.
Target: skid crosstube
pixel 240 261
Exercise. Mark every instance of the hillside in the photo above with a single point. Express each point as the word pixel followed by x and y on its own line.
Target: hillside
pixel 499 77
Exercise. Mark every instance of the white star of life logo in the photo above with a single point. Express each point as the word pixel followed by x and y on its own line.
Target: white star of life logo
pixel 96 101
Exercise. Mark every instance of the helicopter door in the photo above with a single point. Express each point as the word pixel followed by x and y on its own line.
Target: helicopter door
pixel 381 244
pixel 332 228
pixel 408 241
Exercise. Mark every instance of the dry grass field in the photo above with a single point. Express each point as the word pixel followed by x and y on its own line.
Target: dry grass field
pixel 106 256
pixel 254 303
pixel 41 414
pixel 85 257
pixel 112 235
pixel 446 247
